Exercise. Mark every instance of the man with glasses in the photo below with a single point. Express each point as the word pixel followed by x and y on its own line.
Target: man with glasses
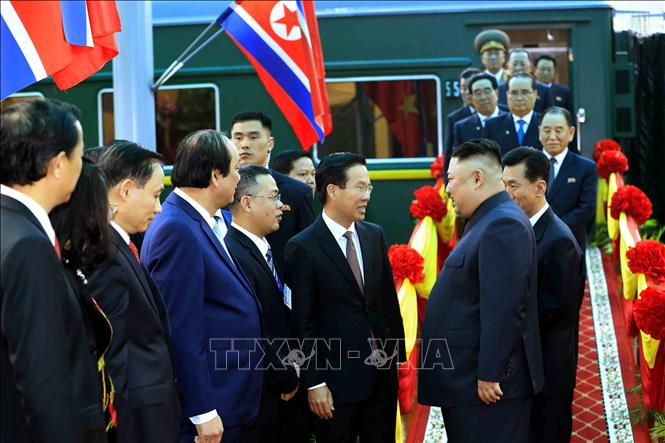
pixel 256 213
pixel 346 310
pixel 492 45
pixel 519 127
pixel 546 74
pixel 483 89
pixel 519 60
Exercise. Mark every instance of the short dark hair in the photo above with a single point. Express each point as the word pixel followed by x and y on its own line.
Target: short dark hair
pixel 483 76
pixel 518 50
pixel 522 74
pixel 332 170
pixel 123 159
pixel 81 225
pixel 546 57
pixel 248 181
pixel 479 147
pixel 246 116
pixel 536 164
pixel 468 73
pixel 557 110
pixel 34 131
pixel 283 162
pixel 200 153
pixel 93 154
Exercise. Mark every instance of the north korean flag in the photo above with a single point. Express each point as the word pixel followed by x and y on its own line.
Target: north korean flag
pixel 281 40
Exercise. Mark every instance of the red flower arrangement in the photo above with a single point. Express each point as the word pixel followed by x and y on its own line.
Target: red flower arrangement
pixel 406 263
pixel 436 168
pixel 428 202
pixel 611 161
pixel 648 258
pixel 649 312
pixel 631 200
pixel 605 144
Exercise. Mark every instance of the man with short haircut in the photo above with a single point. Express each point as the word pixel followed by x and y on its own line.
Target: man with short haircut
pixel 139 357
pixel 251 133
pixel 546 73
pixel 214 312
pixel 256 213
pixel 560 279
pixel 298 165
pixel 50 386
pixel 492 45
pixel 481 360
pixel 483 89
pixel 519 60
pixel 519 127
pixel 458 114
pixel 346 309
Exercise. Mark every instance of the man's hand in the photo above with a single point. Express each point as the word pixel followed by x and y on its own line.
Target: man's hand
pixel 489 391
pixel 290 395
pixel 210 431
pixel 321 402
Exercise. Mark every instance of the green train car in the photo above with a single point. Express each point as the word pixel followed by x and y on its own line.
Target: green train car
pixel 380 57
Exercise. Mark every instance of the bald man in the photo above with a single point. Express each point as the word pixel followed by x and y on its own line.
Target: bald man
pixel 481 358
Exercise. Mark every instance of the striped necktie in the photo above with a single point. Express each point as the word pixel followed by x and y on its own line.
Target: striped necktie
pixel 273 269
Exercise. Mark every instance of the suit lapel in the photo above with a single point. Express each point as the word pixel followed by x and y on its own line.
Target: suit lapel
pixel 248 244
pixel 562 176
pixel 509 124
pixel 366 249
pixel 532 131
pixel 541 225
pixel 15 205
pixel 330 247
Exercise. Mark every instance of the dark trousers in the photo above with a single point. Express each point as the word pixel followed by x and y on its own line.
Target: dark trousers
pixel 372 419
pixel 158 423
pixel 552 418
pixel 506 421
pixel 288 423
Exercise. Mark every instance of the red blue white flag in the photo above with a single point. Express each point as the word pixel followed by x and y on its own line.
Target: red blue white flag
pixel 281 41
pixel 70 40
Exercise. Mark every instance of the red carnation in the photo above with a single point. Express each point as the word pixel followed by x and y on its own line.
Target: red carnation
pixel 436 168
pixel 648 258
pixel 631 200
pixel 406 263
pixel 603 145
pixel 611 161
pixel 428 202
pixel 649 312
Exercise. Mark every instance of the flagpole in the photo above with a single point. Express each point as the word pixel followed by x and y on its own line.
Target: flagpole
pixel 179 62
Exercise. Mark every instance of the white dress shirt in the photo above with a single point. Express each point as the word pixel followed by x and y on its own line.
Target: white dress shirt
pixel 485 117
pixel 121 231
pixel 261 243
pixel 559 160
pixel 498 76
pixel 35 208
pixel 526 118
pixel 535 217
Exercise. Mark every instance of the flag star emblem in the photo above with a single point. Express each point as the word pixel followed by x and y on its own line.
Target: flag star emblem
pixel 408 105
pixel 284 20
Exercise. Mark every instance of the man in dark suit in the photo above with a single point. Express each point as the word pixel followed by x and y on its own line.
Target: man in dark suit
pixel 560 95
pixel 519 127
pixel 251 133
pixel 483 89
pixel 139 358
pixel 50 388
pixel 346 310
pixel 560 277
pixel 574 179
pixel 519 60
pixel 458 114
pixel 481 360
pixel 214 312
pixel 256 213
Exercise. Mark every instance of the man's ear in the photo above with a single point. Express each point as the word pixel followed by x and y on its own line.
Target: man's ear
pixel 55 167
pixel 479 178
pixel 271 143
pixel 246 203
pixel 124 187
pixel 330 190
pixel 541 187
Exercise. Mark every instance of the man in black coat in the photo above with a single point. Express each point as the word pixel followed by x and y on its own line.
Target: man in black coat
pixel 256 213
pixel 50 387
pixel 545 73
pixel 519 60
pixel 560 279
pixel 251 133
pixel 519 127
pixel 346 310
pixel 139 358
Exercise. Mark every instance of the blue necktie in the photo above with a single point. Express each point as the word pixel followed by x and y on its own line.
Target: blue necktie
pixel 550 183
pixel 520 131
pixel 271 265
pixel 218 233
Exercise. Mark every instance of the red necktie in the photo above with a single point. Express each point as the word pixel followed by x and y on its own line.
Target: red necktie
pixel 132 246
pixel 56 246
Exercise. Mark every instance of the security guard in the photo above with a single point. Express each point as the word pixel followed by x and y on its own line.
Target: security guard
pixel 492 44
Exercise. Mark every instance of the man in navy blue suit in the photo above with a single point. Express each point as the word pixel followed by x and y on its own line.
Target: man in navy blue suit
pixel 214 312
pixel 483 89
pixel 519 127
pixel 458 114
pixel 519 60
pixel 545 72
pixel 481 360
pixel 560 278
pixel 573 178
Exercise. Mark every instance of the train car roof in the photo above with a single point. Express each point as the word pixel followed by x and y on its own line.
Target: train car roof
pixel 165 13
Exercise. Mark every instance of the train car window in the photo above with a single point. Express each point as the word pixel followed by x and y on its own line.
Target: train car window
pixel 19 97
pixel 385 118
pixel 179 110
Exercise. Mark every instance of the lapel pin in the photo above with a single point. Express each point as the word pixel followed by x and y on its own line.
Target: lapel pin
pixel 559 99
pixel 507 132
pixel 571 180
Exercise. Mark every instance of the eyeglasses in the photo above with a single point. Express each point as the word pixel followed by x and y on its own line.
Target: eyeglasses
pixel 276 198
pixel 360 189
